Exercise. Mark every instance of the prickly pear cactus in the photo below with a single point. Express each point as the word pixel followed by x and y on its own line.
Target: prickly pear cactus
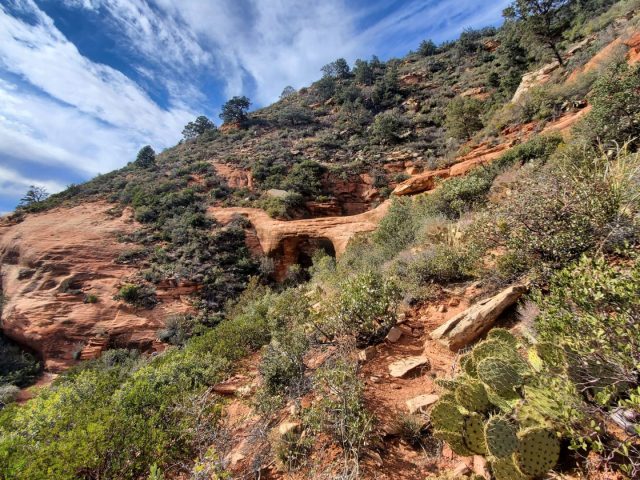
pixel 468 365
pixel 499 375
pixel 447 384
pixel 446 417
pixel 492 348
pixel 500 437
pixel 474 434
pixel 538 451
pixel 505 469
pixel 503 335
pixel 473 396
pixel 546 356
pixel 455 441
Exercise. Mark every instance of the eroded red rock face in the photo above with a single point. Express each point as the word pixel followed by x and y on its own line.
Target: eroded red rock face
pixel 50 261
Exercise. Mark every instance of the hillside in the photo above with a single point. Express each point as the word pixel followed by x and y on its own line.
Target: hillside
pixel 358 281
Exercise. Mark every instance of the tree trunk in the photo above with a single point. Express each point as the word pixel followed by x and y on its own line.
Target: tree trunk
pixel 556 53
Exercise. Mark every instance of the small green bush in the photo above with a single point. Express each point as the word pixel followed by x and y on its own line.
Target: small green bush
pixel 441 263
pixel 138 295
pixel 389 127
pixel 90 298
pixel 8 394
pixel 340 412
pixel 364 307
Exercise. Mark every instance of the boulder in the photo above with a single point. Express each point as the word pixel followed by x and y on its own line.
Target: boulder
pixel 367 354
pixel 419 403
pixel 402 367
pixel 394 335
pixel 467 326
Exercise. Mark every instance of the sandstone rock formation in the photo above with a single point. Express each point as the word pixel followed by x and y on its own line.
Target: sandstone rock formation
pixel 485 153
pixel 282 240
pixel 50 261
pixel 235 177
pixel 466 327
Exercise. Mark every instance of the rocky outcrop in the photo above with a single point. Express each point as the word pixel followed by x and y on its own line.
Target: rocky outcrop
pixel 281 239
pixel 354 194
pixel 633 55
pixel 50 262
pixel 534 79
pixel 234 176
pixel 466 327
pixel 485 153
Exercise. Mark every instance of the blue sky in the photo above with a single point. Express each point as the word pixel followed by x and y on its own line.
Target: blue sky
pixel 85 83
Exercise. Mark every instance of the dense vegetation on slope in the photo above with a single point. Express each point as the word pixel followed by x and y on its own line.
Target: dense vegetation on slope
pixel 569 224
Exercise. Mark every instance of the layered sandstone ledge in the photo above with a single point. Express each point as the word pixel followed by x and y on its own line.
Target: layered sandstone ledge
pixel 50 262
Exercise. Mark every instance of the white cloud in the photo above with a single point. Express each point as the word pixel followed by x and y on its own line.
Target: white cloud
pixel 67 110
pixel 15 184
pixel 39 53
pixel 38 129
pixel 258 47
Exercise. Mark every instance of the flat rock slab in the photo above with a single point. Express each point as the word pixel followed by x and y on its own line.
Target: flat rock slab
pixel 394 334
pixel 468 326
pixel 402 367
pixel 419 403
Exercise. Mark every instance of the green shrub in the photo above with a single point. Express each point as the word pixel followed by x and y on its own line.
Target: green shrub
pixel 442 264
pixel 615 116
pixel 340 411
pixel 464 117
pixel 178 329
pixel 304 178
pixel 282 366
pixel 593 307
pixel 291 449
pixel 8 394
pixel 389 127
pixel 90 298
pixel 139 295
pixel 364 306
pixel 398 228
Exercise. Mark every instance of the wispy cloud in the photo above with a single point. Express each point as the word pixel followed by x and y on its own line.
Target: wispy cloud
pixel 14 183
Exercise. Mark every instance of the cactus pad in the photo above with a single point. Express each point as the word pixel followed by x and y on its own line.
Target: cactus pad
pixel 503 335
pixel 447 384
pixel 446 417
pixel 467 365
pixel 474 434
pixel 500 437
pixel 538 451
pixel 534 360
pixel 473 396
pixel 492 348
pixel 455 441
pixel 505 469
pixel 499 375
pixel 506 401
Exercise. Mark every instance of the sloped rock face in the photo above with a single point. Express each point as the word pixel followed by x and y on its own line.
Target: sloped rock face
pixel 485 153
pixel 50 261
